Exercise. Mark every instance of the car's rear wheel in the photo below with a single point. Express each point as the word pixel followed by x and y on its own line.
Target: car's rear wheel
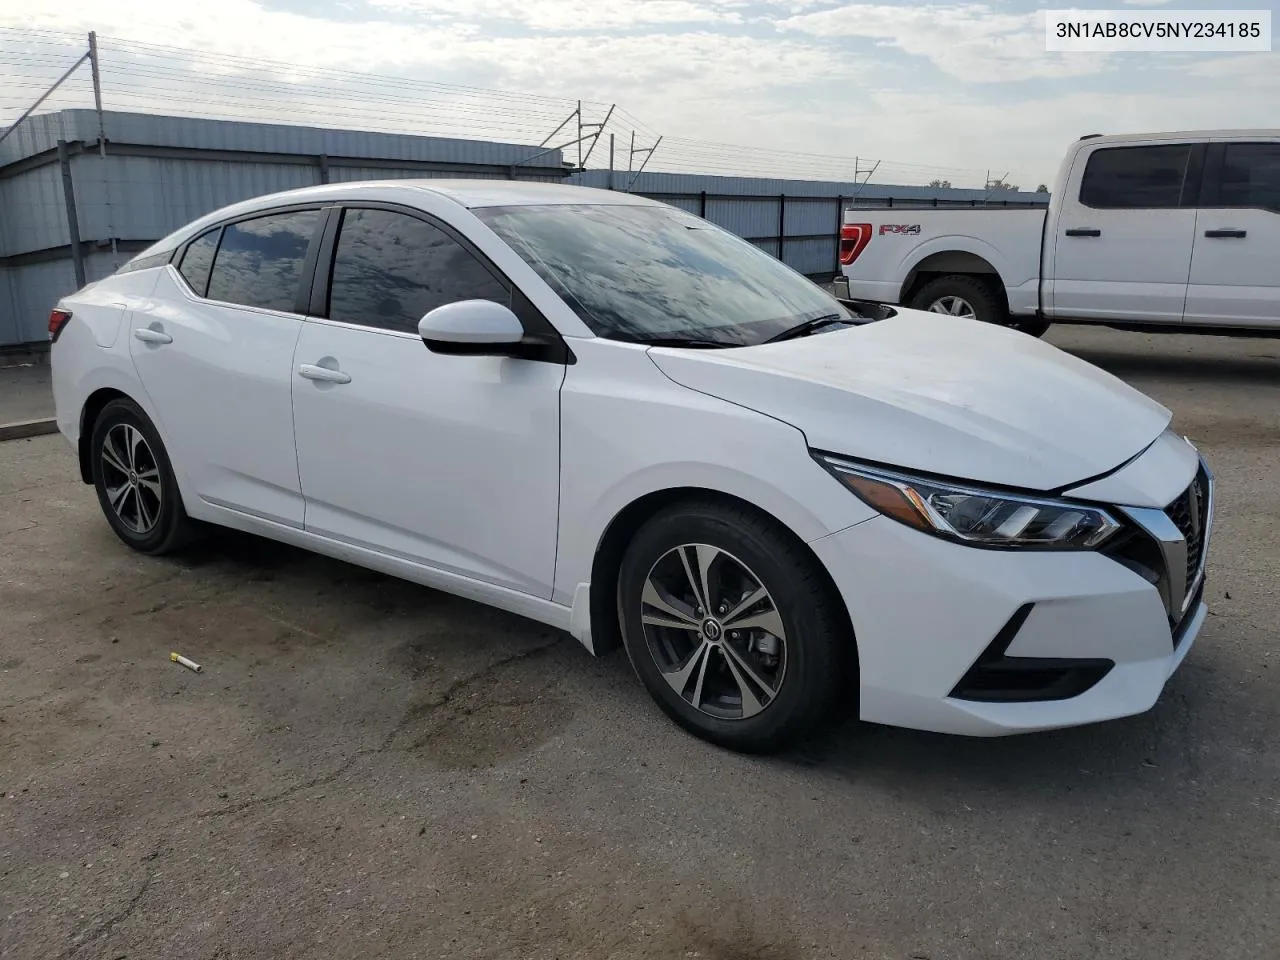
pixel 731 626
pixel 969 297
pixel 135 482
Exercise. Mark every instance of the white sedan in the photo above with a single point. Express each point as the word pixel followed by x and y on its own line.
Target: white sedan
pixel 610 416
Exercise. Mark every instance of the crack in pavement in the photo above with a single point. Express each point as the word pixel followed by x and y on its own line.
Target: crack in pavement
pixel 415 712
pixel 120 916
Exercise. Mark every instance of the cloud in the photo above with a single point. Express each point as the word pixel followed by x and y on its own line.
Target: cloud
pixel 1145 3
pixel 797 90
pixel 571 15
pixel 974 42
pixel 1252 70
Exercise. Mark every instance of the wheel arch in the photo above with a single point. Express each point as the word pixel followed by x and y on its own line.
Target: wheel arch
pixel 606 563
pixel 93 406
pixel 946 263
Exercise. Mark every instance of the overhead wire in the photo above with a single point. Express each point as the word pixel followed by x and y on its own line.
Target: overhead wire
pixel 145 76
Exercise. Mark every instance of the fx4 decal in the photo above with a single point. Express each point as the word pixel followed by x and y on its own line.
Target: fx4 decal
pixel 909 229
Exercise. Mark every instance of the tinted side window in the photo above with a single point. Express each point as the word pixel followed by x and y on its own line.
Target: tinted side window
pixel 389 269
pixel 197 260
pixel 1130 178
pixel 259 262
pixel 1250 176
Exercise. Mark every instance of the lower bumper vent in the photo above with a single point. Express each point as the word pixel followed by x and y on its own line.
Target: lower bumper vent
pixel 996 677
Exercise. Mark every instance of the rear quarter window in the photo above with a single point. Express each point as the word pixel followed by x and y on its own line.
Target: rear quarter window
pixel 197 259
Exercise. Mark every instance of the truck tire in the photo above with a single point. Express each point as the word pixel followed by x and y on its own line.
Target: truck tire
pixel 963 295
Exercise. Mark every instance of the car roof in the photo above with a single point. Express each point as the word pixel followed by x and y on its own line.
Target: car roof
pixel 471 194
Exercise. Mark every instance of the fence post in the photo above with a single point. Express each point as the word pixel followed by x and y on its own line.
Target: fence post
pixel 782 227
pixel 702 205
pixel 73 222
pixel 322 162
pixel 839 228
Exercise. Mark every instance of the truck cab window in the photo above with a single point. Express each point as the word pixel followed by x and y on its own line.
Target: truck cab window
pixel 1133 178
pixel 1250 176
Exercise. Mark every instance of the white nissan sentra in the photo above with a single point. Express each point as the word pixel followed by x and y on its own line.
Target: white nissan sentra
pixel 610 416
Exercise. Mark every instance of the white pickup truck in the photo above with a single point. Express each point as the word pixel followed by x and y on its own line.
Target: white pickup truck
pixel 1178 232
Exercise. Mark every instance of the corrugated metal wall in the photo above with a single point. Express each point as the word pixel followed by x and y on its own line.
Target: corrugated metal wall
pixel 162 172
pixel 797 221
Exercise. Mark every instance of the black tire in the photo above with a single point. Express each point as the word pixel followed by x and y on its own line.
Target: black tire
pixel 813 656
pixel 985 299
pixel 170 528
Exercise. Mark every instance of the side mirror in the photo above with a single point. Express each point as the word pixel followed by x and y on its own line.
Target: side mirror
pixel 472 327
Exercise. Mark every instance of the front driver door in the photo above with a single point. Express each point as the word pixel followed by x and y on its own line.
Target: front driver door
pixel 452 461
pixel 1122 248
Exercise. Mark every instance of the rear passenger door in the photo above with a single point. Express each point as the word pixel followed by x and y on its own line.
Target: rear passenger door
pixel 215 355
pixel 1122 241
pixel 1235 267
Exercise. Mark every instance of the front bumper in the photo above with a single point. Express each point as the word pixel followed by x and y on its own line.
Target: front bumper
pixel 930 615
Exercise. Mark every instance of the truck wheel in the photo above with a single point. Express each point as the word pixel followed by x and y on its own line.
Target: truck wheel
pixel 960 295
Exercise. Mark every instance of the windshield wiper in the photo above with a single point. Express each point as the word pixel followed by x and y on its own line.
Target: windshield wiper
pixel 809 326
pixel 694 342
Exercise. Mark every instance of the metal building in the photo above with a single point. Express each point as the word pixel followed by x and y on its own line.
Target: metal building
pixel 77 200
pixel 71 210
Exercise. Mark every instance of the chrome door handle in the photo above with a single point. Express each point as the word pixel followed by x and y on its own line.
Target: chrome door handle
pixel 313 372
pixel 147 335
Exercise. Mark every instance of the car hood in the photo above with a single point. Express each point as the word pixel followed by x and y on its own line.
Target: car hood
pixel 954 397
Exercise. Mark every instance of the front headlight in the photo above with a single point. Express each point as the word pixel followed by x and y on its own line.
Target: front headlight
pixel 969 514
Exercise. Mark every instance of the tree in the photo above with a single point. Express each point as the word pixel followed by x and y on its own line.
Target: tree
pixel 1042 189
pixel 940 184
pixel 996 185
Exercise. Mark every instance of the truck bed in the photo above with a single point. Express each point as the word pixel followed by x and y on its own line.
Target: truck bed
pixel 895 249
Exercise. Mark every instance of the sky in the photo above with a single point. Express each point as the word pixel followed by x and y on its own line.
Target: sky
pixel 957 86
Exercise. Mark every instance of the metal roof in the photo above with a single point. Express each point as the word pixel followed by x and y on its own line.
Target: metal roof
pixel 41 132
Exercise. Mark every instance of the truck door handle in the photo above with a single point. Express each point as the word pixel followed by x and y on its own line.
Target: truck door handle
pixel 313 372
pixel 1084 232
pixel 1225 233
pixel 148 335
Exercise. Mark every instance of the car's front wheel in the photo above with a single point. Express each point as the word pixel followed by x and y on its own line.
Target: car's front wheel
pixel 135 482
pixel 731 626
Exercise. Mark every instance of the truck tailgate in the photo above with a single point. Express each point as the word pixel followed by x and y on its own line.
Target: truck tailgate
pixel 889 247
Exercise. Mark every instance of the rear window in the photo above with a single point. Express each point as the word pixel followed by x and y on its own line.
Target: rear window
pixel 1135 178
pixel 259 261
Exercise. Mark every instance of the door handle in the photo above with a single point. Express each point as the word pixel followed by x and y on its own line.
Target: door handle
pixel 148 335
pixel 1216 234
pixel 325 374
pixel 1084 232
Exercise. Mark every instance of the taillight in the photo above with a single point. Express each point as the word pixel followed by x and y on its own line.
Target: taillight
pixel 854 238
pixel 57 320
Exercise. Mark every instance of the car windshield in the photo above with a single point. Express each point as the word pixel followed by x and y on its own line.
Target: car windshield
pixel 658 273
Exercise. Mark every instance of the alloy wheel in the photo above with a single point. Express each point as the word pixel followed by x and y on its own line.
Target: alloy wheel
pixel 131 478
pixel 953 306
pixel 714 631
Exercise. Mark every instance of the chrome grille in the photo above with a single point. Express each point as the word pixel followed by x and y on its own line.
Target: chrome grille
pixel 1190 514
pixel 1169 547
